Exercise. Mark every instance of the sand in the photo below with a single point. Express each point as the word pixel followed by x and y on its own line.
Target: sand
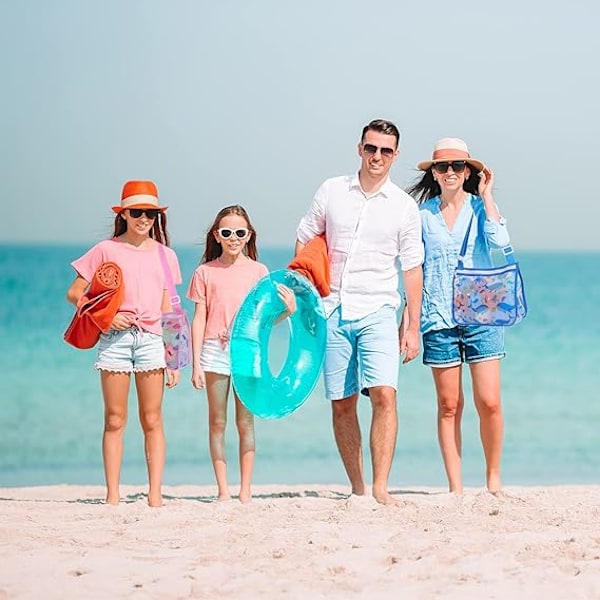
pixel 292 542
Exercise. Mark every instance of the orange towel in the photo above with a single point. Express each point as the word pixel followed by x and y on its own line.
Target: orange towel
pixel 97 309
pixel 313 263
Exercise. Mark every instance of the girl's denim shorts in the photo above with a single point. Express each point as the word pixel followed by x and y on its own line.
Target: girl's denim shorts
pixel 462 344
pixel 130 350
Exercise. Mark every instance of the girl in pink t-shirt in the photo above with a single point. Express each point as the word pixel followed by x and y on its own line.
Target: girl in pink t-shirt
pixel 228 270
pixel 134 343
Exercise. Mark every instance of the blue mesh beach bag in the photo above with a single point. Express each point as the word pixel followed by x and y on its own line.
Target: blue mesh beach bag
pixel 492 296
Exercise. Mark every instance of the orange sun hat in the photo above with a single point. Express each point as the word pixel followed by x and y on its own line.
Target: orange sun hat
pixel 139 194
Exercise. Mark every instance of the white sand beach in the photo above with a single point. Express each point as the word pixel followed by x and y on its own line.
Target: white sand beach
pixel 299 542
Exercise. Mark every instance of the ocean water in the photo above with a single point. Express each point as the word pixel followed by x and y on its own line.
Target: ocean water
pixel 51 409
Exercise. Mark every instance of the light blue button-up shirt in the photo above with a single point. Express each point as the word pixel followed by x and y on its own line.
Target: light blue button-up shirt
pixel 442 247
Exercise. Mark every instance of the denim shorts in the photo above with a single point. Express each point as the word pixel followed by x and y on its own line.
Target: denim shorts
pixel 462 344
pixel 362 353
pixel 214 358
pixel 130 350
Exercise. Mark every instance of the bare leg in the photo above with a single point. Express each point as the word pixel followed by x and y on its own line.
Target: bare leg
pixel 150 390
pixel 115 391
pixel 486 391
pixel 384 431
pixel 245 426
pixel 347 436
pixel 217 390
pixel 450 399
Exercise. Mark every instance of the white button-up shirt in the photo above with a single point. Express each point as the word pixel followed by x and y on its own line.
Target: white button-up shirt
pixel 366 236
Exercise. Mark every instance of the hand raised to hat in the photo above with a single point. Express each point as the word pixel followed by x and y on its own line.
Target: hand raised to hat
pixel 486 182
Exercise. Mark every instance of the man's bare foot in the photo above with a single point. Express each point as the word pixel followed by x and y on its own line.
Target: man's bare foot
pixel 358 490
pixel 224 497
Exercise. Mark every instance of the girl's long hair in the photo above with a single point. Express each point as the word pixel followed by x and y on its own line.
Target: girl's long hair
pixel 212 248
pixel 158 231
pixel 427 187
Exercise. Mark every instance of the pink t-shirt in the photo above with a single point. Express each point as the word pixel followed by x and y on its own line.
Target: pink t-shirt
pixel 143 278
pixel 222 289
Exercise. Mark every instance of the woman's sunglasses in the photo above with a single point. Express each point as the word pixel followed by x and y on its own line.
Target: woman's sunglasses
pixel 372 149
pixel 458 166
pixel 136 213
pixel 226 233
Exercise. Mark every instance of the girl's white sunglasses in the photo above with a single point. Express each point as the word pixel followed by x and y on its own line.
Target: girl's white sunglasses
pixel 240 233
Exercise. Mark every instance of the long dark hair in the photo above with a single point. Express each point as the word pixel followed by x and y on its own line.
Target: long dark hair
pixel 427 187
pixel 158 231
pixel 213 249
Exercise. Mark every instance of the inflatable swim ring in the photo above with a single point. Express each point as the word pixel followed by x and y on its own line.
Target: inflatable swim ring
pixel 262 393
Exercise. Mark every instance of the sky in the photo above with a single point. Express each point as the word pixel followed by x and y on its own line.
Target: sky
pixel 256 102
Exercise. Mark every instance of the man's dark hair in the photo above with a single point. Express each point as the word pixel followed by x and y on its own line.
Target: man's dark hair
pixel 382 126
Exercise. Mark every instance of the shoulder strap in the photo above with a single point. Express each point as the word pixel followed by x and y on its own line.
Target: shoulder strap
pixel 168 276
pixel 463 248
pixel 507 251
pixel 509 255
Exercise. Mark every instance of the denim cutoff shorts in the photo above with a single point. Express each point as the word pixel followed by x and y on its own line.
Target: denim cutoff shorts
pixel 130 350
pixel 462 344
pixel 361 353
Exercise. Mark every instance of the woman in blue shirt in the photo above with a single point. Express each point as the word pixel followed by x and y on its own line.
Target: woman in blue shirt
pixel 455 190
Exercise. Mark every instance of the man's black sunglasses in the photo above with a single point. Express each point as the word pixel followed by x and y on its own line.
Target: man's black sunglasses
pixel 372 149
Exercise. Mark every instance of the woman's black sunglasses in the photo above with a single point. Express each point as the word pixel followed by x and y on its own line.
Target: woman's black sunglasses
pixel 458 166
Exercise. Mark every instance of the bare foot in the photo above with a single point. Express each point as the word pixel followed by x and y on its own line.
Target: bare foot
pixel 245 497
pixel 223 498
pixel 112 500
pixel 155 500
pixel 358 489
pixel 387 499
pixel 493 483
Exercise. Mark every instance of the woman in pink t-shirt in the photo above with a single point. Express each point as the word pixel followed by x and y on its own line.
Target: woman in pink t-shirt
pixel 134 343
pixel 228 270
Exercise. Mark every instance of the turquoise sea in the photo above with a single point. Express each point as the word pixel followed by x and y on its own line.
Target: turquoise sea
pixel 51 409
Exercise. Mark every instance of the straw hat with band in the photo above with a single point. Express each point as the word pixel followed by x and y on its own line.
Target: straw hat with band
pixel 139 194
pixel 448 150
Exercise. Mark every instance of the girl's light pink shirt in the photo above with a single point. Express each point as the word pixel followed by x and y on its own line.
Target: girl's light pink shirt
pixel 221 289
pixel 143 278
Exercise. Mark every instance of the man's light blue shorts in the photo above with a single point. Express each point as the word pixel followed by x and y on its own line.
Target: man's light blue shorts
pixel 130 350
pixel 361 354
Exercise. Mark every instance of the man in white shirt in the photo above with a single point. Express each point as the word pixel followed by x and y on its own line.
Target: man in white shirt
pixel 370 226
